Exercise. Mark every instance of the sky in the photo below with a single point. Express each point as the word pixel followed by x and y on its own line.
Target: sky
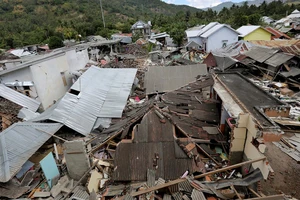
pixel 199 3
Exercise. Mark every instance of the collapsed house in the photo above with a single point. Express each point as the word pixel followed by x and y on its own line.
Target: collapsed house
pixel 182 134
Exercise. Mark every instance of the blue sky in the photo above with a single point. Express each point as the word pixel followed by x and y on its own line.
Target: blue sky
pixel 199 3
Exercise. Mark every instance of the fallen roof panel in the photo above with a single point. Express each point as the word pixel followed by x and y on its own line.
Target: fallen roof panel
pixel 19 142
pixel 260 54
pixel 163 79
pixel 19 98
pixel 249 95
pixel 103 93
pixel 279 59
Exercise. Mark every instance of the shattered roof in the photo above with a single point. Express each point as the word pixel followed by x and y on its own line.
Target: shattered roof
pixel 294 49
pixel 102 93
pixel 260 54
pixel 278 59
pixel 151 138
pixel 19 98
pixel 19 142
pixel 275 43
pixel 294 71
pixel 249 95
pixel 234 49
pixel 277 33
pixel 163 79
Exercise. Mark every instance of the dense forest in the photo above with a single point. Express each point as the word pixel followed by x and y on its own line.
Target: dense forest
pixel 25 22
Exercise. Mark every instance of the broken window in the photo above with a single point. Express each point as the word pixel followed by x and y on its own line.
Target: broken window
pixel 63 77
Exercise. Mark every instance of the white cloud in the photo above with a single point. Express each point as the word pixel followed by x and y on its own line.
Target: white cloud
pixel 170 1
pixel 205 3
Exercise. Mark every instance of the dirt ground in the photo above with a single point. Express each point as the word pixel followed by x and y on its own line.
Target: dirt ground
pixel 287 173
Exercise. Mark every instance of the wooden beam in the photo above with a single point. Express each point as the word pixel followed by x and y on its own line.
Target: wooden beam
pixel 236 192
pixel 256 194
pixel 53 135
pixel 229 167
pixel 105 142
pixel 170 183
pixel 273 197
pixel 207 154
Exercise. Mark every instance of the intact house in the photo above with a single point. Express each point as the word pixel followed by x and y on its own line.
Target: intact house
pixel 212 36
pixel 46 78
pixel 250 32
pixel 142 28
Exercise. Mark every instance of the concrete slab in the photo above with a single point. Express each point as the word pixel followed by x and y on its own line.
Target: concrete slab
pixel 77 160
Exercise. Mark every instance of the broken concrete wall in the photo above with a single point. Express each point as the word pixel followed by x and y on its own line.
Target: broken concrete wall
pixel 77 59
pixel 77 160
pixel 277 112
pixel 238 137
pixel 251 152
pixel 52 79
pixel 242 148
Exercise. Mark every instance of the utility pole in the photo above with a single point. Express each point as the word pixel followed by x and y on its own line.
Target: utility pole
pixel 102 13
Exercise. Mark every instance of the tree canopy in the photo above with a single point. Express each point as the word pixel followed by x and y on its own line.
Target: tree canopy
pixel 24 22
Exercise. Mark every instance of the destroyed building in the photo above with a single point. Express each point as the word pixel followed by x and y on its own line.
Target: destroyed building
pixel 127 130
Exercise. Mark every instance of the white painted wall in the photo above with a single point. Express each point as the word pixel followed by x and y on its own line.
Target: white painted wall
pixel 251 152
pixel 214 41
pixel 77 60
pixel 20 75
pixel 48 79
pixel 198 40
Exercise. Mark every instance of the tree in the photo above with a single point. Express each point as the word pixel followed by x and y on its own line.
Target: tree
pixel 55 42
pixel 177 33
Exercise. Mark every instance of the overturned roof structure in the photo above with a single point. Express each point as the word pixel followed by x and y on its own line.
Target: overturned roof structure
pixel 98 95
pixel 19 142
pixel 250 95
pixel 19 98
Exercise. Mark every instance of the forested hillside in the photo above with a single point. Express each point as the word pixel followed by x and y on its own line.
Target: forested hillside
pixel 24 22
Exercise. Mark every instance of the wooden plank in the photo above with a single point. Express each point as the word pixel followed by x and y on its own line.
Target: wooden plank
pixel 256 194
pixel 236 192
pixel 207 154
pixel 170 183
pixel 273 197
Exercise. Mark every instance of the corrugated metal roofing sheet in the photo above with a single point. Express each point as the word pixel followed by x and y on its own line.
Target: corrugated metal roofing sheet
pixel 79 193
pixel 198 195
pixel 18 98
pixel 194 31
pixel 293 72
pixel 276 33
pixel 163 79
pixel 275 43
pixel 19 142
pixel 207 27
pixel 260 54
pixel 185 186
pixel 278 59
pixel 216 28
pixel 151 177
pixel 103 93
pixel 294 49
